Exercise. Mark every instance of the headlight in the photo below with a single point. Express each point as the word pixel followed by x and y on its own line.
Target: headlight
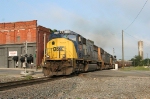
pixel 47 56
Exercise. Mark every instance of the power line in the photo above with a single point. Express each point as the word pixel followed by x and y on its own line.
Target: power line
pixel 136 16
pixel 139 39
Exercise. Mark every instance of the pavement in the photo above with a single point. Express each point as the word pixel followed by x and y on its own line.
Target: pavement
pixel 16 72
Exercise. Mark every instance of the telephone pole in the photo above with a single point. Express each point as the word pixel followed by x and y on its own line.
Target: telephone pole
pixel 25 56
pixel 113 52
pixel 122 51
pixel 44 46
pixel 147 60
pixel 113 59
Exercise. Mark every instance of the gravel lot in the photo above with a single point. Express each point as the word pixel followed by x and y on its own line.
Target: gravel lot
pixel 107 84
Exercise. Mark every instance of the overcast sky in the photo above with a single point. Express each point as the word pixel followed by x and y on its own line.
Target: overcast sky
pixel 99 20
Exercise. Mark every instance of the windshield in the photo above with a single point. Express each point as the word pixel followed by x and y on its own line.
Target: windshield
pixel 69 36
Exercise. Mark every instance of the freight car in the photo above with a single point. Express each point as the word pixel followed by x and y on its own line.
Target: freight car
pixel 126 63
pixel 68 52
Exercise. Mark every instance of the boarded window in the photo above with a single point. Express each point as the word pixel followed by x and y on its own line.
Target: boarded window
pixel 18 38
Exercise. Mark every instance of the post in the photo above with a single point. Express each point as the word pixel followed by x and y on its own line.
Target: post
pixel 147 60
pixel 25 56
pixel 44 51
pixel 44 47
pixel 122 51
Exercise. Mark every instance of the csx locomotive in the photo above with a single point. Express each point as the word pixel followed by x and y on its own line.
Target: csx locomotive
pixel 68 52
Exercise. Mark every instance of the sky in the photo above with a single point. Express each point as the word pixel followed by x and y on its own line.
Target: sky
pixel 99 20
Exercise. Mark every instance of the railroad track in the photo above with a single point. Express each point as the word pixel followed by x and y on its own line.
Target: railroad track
pixel 22 83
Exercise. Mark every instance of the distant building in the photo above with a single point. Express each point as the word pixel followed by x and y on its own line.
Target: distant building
pixel 13 35
pixel 140 48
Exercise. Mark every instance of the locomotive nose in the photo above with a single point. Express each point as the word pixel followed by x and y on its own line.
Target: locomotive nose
pixel 61 48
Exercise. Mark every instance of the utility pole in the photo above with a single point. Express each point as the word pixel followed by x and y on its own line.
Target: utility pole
pixel 25 56
pixel 44 51
pixel 44 47
pixel 113 59
pixel 113 52
pixel 122 51
pixel 147 60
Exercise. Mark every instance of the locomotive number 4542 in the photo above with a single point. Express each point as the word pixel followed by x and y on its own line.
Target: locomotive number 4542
pixel 59 48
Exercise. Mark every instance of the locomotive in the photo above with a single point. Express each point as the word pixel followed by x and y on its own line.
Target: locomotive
pixel 68 52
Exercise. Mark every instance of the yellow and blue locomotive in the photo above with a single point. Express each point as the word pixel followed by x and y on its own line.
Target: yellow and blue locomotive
pixel 68 52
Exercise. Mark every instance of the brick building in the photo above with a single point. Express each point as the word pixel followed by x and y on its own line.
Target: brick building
pixel 13 37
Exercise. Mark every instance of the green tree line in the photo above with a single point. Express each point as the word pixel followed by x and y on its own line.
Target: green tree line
pixel 137 61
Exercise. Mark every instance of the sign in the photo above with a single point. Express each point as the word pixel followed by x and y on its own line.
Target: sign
pixel 12 53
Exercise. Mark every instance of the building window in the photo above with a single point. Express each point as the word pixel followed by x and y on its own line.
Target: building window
pixel 18 38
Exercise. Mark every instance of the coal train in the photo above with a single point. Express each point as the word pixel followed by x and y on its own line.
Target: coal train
pixel 68 52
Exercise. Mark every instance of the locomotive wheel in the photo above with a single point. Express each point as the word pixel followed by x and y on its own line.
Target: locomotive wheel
pixel 47 72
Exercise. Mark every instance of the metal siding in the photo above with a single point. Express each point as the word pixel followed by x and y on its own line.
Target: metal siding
pixel 7 61
pixel 2 57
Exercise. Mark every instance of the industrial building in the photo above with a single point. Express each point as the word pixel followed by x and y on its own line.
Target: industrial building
pixel 13 36
pixel 140 48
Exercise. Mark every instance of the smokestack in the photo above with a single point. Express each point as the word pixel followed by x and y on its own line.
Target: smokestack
pixel 140 48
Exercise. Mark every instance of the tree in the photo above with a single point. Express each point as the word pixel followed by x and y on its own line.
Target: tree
pixel 146 62
pixel 54 30
pixel 137 61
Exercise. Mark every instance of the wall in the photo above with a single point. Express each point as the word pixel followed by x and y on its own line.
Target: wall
pixel 14 34
pixel 6 61
pixel 40 42
pixel 18 32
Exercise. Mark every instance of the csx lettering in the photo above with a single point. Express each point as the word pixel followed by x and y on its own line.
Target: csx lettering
pixel 60 48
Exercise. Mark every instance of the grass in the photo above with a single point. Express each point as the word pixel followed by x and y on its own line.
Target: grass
pixel 140 68
pixel 29 77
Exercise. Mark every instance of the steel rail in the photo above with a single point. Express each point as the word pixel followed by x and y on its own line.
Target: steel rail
pixel 22 83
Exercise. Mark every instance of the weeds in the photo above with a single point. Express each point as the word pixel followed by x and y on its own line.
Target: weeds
pixel 28 77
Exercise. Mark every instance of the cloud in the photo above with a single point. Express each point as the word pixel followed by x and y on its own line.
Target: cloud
pixel 98 20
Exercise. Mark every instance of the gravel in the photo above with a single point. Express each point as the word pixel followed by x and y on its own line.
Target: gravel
pixel 84 86
pixel 9 78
